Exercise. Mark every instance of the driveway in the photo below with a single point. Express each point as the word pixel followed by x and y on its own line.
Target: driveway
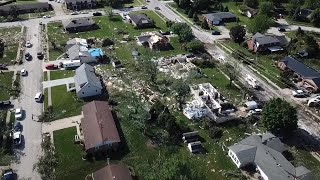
pixel 27 155
pixel 57 82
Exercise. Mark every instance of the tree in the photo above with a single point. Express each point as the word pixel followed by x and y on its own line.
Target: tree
pixel 2 44
pixel 195 17
pixel 149 68
pixel 295 16
pixel 110 13
pixel 260 23
pixel 315 17
pixel 182 90
pixel 14 12
pixel 299 32
pixel 237 33
pixel 204 24
pixel 195 46
pixel 312 45
pixel 312 4
pixel 184 3
pixel 232 72
pixel 251 3
pixel 112 3
pixel 190 13
pixel 183 31
pixel 226 9
pixel 279 116
pixel 266 8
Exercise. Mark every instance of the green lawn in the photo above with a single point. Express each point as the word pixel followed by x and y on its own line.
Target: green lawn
pixel 136 3
pixel 70 165
pixel 11 37
pixel 159 21
pixel 5 85
pixel 61 74
pixel 65 104
pixel 234 8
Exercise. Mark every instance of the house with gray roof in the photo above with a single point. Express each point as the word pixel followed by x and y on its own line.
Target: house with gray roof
pixel 86 82
pixel 78 49
pixel 219 18
pixel 26 8
pixel 80 4
pixel 79 25
pixel 263 43
pixel 265 153
pixel 139 20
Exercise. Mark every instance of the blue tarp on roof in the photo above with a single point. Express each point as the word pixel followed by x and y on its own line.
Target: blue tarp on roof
pixel 96 52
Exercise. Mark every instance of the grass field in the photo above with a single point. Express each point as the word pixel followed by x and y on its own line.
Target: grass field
pixel 136 3
pixel 61 74
pixel 65 104
pixel 70 165
pixel 11 37
pixel 5 85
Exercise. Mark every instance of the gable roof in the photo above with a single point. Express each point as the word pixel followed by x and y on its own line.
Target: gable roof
pixel 268 159
pixel 263 39
pixel 75 1
pixel 79 22
pixel 86 74
pixel 28 6
pixel 139 19
pixel 299 68
pixel 219 16
pixel 98 124
pixel 113 172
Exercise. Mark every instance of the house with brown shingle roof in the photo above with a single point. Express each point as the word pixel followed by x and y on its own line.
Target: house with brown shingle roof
pixel 111 172
pixel 98 126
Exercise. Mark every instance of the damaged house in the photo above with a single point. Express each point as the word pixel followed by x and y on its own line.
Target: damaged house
pixel 154 41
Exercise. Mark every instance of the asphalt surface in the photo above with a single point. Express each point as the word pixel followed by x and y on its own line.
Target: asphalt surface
pixel 28 153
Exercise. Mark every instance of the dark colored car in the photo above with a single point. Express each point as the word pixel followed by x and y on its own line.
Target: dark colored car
pixel 9 175
pixel 3 67
pixel 164 32
pixel 51 66
pixel 17 127
pixel 28 56
pixel 97 14
pixel 215 33
pixel 282 29
pixel 40 55
pixel 157 8
pixel 5 103
pixel 144 7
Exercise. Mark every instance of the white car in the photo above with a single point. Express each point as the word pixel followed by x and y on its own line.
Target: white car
pixel 28 44
pixel 298 93
pixel 18 113
pixel 17 138
pixel 45 17
pixel 314 101
pixel 74 13
pixel 38 97
pixel 252 81
pixel 23 72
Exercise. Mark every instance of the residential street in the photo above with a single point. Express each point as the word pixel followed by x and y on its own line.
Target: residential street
pixel 30 150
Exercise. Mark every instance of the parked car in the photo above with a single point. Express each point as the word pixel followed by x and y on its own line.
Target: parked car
pixel 9 175
pixel 314 101
pixel 28 44
pixel 38 97
pixel 5 103
pixel 299 93
pixel 164 32
pixel 45 17
pixel 51 66
pixel 282 29
pixel 40 55
pixel 144 7
pixel 23 72
pixel 17 127
pixel 74 13
pixel 17 139
pixel 215 33
pixel 18 114
pixel 28 56
pixel 3 67
pixel 97 14
pixel 130 7
pixel 157 8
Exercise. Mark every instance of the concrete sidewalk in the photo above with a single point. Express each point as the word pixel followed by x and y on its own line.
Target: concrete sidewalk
pixel 57 82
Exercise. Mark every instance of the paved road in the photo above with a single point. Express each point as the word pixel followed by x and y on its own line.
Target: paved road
pixel 30 151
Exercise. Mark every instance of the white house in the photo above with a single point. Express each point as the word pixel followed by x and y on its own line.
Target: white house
pixel 86 82
pixel 265 153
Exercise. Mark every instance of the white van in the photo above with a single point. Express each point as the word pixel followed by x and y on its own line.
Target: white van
pixel 38 97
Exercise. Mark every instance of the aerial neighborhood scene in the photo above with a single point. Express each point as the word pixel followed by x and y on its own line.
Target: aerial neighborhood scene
pixel 160 89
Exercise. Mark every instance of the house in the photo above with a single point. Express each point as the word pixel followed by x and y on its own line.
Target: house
pixel 26 8
pixel 99 129
pixel 111 172
pixel 190 136
pixel 80 4
pixel 195 147
pixel 77 49
pixel 310 78
pixel 154 41
pixel 86 82
pixel 139 20
pixel 79 25
pixel 305 14
pixel 265 153
pixel 263 43
pixel 219 18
